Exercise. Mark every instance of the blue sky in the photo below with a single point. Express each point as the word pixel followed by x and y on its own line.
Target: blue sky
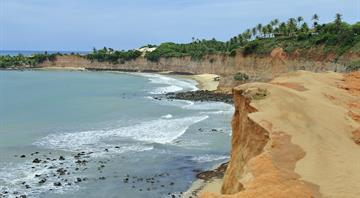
pixel 126 24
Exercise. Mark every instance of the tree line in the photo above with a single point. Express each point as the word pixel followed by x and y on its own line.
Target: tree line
pixel 21 60
pixel 293 34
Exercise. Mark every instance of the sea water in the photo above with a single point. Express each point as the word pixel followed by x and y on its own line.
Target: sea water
pixel 108 133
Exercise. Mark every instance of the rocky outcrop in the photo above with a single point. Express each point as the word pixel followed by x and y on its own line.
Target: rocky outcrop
pixel 294 137
pixel 258 68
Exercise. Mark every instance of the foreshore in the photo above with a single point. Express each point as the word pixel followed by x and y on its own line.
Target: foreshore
pixel 208 181
pixel 205 81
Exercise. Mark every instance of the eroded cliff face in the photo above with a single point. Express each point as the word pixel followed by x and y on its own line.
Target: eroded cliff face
pixel 295 137
pixel 259 68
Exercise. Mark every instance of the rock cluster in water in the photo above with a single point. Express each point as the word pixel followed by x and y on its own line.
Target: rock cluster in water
pixel 202 96
pixel 59 172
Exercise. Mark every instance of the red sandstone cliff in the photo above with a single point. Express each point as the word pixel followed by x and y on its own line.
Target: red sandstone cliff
pixel 259 68
pixel 295 137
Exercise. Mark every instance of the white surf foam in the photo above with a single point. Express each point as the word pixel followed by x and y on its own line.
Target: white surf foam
pixel 209 158
pixel 214 106
pixel 168 116
pixel 13 177
pixel 171 84
pixel 158 131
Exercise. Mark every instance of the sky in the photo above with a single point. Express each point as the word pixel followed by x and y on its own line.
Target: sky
pixel 80 25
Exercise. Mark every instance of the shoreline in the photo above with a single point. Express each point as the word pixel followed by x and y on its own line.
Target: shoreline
pixel 205 82
pixel 208 181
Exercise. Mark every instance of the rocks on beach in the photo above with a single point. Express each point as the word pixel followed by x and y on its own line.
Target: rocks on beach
pixel 202 96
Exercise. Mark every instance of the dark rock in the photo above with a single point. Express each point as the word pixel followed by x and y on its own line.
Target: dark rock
pixel 22 196
pixel 78 179
pixel 201 96
pixel 36 160
pixel 22 156
pixel 81 162
pixel 57 184
pixel 61 158
pixel 42 181
pixel 61 171
pixel 102 178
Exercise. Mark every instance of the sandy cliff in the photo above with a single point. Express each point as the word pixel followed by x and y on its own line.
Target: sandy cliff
pixel 297 136
pixel 258 68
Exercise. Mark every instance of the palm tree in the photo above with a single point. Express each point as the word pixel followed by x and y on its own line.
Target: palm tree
pixel 315 19
pixel 304 28
pixel 269 28
pixel 248 33
pixel 283 28
pixel 299 20
pixel 291 26
pixel 240 39
pixel 276 21
pixel 264 30
pixel 231 41
pixel 259 28
pixel 338 19
pixel 254 31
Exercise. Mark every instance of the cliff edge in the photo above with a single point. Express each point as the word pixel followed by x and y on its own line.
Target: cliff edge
pixel 256 67
pixel 296 136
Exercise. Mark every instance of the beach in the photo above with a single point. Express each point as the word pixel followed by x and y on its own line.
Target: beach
pixel 206 81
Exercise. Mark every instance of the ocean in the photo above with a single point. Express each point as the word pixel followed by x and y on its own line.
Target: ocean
pixel 102 134
pixel 32 52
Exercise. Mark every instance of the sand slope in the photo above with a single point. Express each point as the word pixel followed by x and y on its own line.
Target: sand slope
pixel 306 124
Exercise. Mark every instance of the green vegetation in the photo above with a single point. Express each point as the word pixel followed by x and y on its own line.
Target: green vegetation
pixel 113 56
pixel 295 34
pixel 197 49
pixel 353 66
pixel 241 77
pixel 21 61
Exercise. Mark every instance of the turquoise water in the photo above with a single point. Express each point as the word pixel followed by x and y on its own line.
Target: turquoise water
pixel 132 144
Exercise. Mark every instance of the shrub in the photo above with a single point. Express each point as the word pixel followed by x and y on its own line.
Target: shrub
pixel 353 66
pixel 241 77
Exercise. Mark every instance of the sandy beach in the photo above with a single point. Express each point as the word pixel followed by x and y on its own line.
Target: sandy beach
pixel 63 68
pixel 206 81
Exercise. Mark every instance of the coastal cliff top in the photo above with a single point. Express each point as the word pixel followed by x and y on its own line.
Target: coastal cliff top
pixel 312 126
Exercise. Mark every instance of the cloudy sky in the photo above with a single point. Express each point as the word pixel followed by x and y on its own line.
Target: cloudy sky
pixel 126 24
